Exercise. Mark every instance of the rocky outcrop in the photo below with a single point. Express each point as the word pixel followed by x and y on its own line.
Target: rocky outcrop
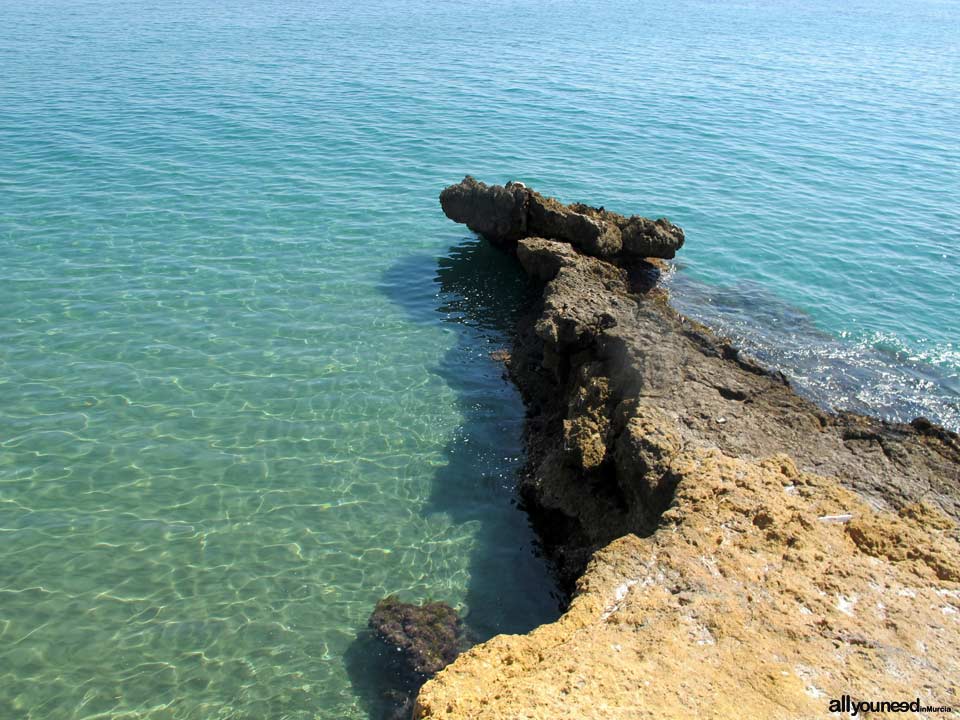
pixel 618 383
pixel 748 549
pixel 504 214
pixel 498 213
pixel 588 232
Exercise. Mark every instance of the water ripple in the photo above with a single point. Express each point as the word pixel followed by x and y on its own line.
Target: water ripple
pixel 244 380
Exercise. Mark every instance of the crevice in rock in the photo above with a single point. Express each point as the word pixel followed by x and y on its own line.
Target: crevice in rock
pixel 732 394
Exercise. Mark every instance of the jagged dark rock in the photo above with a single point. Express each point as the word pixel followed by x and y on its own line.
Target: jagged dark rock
pixel 498 213
pixel 591 234
pixel 543 258
pixel 650 238
pixel 506 214
pixel 669 383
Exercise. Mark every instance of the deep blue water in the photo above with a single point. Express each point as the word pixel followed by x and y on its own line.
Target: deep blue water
pixel 245 384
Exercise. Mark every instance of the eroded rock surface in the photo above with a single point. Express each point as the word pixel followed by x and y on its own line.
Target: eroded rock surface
pixel 617 383
pixel 749 550
pixel 498 213
pixel 504 214
pixel 751 595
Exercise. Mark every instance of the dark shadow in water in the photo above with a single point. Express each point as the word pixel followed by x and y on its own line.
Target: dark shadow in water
pixel 478 292
pixel 376 678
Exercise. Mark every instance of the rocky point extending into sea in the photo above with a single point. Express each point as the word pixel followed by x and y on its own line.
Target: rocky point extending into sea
pixel 730 548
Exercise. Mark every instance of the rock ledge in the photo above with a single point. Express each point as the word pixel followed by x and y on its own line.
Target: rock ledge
pixel 727 544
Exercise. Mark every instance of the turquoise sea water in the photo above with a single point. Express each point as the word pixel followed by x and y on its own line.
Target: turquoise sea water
pixel 245 384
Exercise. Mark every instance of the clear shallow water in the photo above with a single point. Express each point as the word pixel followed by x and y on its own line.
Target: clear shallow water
pixel 245 386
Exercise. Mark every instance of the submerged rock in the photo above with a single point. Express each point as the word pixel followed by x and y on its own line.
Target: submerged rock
pixel 428 636
pixel 420 640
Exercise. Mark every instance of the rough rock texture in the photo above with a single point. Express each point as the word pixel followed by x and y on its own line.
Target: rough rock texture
pixel 421 640
pixel 749 550
pixel 589 233
pixel 617 383
pixel 751 600
pixel 505 214
pixel 429 636
pixel 498 213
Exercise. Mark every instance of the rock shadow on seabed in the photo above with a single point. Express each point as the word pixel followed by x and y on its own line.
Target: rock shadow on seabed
pixel 479 291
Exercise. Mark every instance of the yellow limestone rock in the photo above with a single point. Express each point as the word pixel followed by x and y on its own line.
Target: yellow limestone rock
pixel 765 593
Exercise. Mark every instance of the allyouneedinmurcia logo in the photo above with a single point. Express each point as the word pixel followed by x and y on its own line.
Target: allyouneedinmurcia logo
pixel 847 704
